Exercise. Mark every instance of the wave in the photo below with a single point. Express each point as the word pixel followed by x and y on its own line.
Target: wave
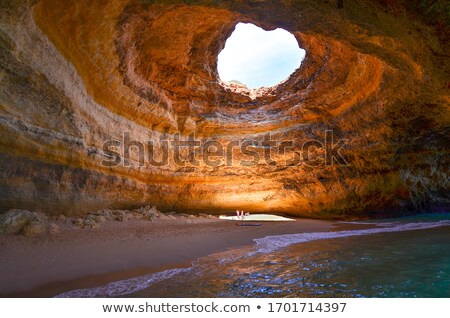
pixel 269 244
pixel 124 287
pixel 374 223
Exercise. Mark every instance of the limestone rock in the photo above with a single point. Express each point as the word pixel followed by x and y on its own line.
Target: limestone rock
pixel 35 227
pixel 79 74
pixel 79 222
pixel 15 221
pixel 54 229
pixel 90 224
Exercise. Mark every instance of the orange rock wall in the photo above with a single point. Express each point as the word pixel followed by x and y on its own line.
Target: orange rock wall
pixel 76 74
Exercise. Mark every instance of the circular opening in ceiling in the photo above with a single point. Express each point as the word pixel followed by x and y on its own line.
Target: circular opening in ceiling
pixel 257 58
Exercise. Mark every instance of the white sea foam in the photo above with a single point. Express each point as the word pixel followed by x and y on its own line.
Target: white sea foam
pixel 378 224
pixel 124 287
pixel 272 243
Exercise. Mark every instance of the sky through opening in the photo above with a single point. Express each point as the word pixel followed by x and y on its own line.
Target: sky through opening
pixel 259 58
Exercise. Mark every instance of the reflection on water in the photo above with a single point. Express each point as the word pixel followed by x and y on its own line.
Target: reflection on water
pixel 404 264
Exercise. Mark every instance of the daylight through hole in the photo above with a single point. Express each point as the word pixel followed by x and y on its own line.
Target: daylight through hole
pixel 257 58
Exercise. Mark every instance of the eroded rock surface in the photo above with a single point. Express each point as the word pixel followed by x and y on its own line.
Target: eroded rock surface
pixel 75 74
pixel 22 221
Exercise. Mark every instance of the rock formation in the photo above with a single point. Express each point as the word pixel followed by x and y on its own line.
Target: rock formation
pixel 76 74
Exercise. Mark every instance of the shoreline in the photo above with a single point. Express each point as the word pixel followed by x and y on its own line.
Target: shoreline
pixel 45 266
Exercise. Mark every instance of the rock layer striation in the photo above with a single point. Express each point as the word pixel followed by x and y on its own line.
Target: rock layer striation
pixel 83 82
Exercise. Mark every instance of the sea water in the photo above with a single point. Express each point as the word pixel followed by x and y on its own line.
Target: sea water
pixel 407 257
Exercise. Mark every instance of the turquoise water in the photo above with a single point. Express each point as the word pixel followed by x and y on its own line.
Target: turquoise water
pixel 397 258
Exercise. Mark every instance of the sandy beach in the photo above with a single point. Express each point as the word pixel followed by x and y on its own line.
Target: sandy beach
pixel 44 266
